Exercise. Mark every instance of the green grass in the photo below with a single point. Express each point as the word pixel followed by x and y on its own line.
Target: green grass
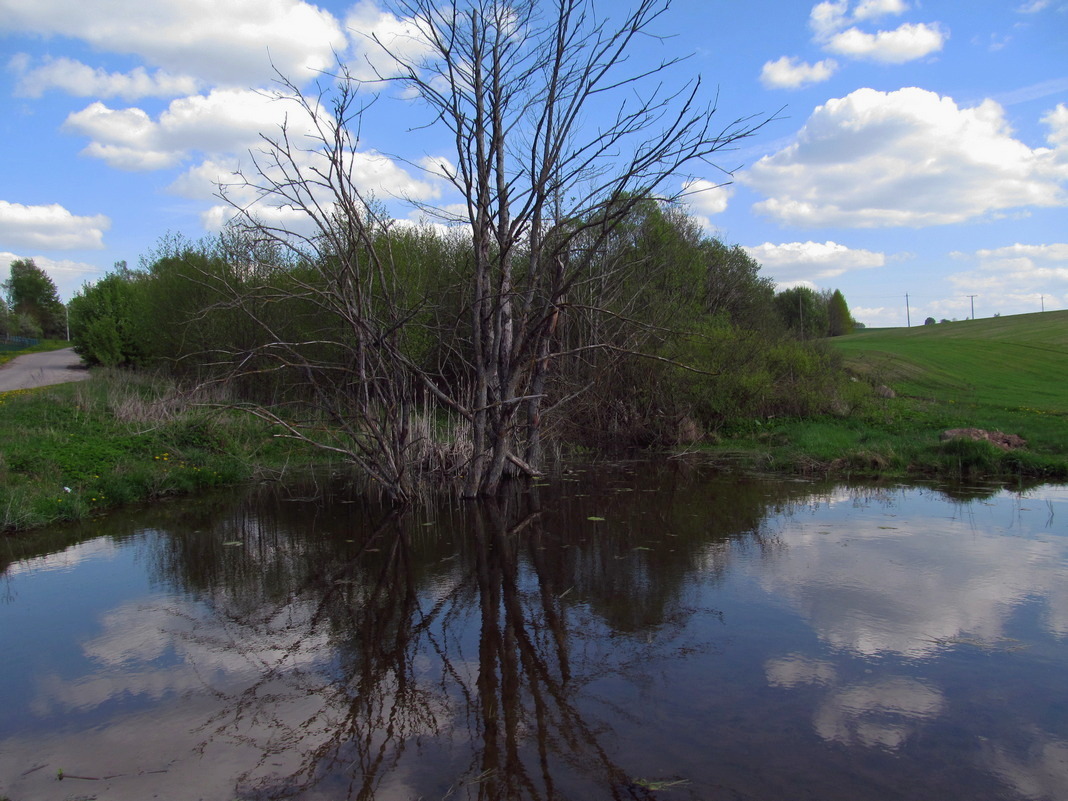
pixel 1006 374
pixel 1018 362
pixel 71 451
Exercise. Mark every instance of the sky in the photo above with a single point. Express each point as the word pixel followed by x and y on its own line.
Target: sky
pixel 916 159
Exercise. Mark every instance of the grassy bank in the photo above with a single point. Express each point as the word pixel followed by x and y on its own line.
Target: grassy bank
pixel 1007 374
pixel 70 451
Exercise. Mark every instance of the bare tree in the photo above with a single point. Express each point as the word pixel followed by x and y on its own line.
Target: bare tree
pixel 557 138
pixel 517 85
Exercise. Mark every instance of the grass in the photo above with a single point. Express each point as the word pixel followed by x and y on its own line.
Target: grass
pixel 71 451
pixel 1004 374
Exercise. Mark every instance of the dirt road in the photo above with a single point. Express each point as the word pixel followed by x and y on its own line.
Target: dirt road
pixel 42 369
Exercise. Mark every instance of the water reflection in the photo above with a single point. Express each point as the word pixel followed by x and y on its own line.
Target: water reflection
pixel 620 634
pixel 912 581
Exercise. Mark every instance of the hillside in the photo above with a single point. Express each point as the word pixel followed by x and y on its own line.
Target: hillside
pixel 1017 362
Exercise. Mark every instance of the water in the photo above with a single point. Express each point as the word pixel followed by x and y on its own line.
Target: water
pixel 644 630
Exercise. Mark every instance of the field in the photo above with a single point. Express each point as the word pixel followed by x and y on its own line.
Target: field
pixel 1018 362
pixel 1007 374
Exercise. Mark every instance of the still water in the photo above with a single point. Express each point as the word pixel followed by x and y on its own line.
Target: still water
pixel 635 631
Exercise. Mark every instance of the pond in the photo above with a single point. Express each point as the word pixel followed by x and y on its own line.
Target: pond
pixel 645 630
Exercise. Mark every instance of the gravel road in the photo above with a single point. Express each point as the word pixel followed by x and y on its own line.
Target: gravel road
pixel 42 369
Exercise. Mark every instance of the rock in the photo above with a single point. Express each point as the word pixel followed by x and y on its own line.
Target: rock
pixel 884 391
pixel 1007 442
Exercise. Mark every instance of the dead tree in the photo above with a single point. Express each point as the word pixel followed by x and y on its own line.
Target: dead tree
pixel 557 136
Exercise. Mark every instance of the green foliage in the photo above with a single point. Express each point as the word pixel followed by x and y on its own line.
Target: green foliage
pixel 34 301
pixel 107 319
pixel 839 319
pixel 803 311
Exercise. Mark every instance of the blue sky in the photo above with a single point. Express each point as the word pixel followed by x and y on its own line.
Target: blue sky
pixel 920 148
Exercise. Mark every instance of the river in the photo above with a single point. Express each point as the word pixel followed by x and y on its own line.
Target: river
pixel 635 630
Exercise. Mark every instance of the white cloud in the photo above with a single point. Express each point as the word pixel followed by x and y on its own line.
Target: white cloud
pixel 836 29
pixel 1033 6
pixel 828 17
pixel 906 43
pixel 376 35
pixel 706 197
pixel 81 80
pixel 1057 121
pixel 797 262
pixel 49 227
pixel 792 73
pixel 906 158
pixel 232 43
pixel 223 121
pixel 1017 278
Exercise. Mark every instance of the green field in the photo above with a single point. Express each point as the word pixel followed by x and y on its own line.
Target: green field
pixel 1007 374
pixel 1018 362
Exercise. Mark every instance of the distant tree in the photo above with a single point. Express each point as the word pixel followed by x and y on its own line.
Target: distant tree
pixel 32 293
pixel 803 311
pixel 944 320
pixel 930 321
pixel 735 287
pixel 839 319
pixel 857 326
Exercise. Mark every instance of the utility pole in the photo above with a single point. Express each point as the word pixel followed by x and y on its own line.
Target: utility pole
pixel 1043 302
pixel 908 316
pixel 973 297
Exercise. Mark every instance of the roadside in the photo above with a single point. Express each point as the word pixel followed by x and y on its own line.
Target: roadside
pixel 32 370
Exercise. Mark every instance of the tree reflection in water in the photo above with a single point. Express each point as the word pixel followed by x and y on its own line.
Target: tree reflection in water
pixel 394 663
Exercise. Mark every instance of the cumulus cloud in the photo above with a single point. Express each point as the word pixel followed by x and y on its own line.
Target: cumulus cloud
pixel 49 227
pixel 376 34
pixel 907 158
pixel 231 43
pixel 706 197
pixel 836 28
pixel 1017 278
pixel 906 43
pixel 223 121
pixel 792 73
pixel 1057 122
pixel 808 262
pixel 81 80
